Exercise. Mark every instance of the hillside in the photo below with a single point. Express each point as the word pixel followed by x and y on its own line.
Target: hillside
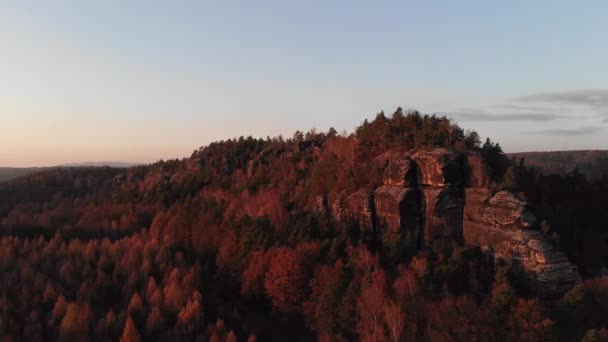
pixel 408 229
pixel 7 173
pixel 591 163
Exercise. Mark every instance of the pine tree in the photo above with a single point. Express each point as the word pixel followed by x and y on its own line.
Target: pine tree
pixel 130 333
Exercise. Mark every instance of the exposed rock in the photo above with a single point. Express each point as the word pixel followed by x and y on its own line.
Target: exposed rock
pixel 439 167
pixel 502 223
pixel 477 172
pixel 508 209
pixel 398 210
pixel 329 203
pixel 358 206
pixel 548 269
pixel 441 196
pixel 400 171
pixel 443 214
pixel 476 200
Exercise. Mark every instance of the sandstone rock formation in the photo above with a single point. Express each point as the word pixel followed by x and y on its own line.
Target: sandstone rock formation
pixel 439 167
pixel 443 214
pixel 359 206
pixel 502 223
pixel 398 211
pixel 400 171
pixel 477 174
pixel 442 197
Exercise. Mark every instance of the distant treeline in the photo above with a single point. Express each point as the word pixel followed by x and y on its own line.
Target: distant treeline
pixel 591 163
pixel 8 173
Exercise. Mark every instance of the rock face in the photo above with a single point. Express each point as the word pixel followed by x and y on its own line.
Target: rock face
pixel 502 223
pixel 359 206
pixel 400 172
pixel 443 214
pixel 476 171
pixel 507 209
pixel 439 167
pixel 398 211
pixel 443 197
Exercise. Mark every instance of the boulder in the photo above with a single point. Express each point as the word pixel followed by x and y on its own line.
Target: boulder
pixel 443 214
pixel 508 209
pixel 439 167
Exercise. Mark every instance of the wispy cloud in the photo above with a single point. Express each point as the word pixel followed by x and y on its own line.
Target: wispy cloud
pixel 525 108
pixel 593 98
pixel 572 132
pixel 478 115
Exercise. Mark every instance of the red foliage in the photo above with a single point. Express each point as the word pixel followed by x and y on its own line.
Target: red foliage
pixel 285 281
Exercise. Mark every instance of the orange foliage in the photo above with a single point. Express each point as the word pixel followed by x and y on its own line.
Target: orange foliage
pixel 285 281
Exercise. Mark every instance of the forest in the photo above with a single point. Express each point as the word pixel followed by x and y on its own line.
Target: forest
pixel 224 246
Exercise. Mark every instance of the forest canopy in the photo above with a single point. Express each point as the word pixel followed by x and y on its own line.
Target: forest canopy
pixel 224 246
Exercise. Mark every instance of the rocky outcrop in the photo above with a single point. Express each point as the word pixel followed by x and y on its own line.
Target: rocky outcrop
pixel 359 206
pixel 477 174
pixel 502 223
pixel 443 197
pixel 398 211
pixel 439 167
pixel 508 209
pixel 400 171
pixel 443 214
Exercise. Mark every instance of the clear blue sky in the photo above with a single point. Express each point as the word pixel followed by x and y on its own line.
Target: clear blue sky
pixel 144 80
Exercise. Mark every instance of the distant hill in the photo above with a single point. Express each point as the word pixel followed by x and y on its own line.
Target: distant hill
pixel 100 164
pixel 8 173
pixel 592 163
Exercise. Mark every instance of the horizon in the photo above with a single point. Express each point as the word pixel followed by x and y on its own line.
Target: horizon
pixel 108 81
pixel 129 164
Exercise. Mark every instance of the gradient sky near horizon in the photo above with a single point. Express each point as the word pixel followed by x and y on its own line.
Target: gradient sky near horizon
pixel 137 81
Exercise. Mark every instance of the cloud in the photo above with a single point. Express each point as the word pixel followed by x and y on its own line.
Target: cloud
pixel 605 120
pixel 484 116
pixel 520 107
pixel 572 132
pixel 593 98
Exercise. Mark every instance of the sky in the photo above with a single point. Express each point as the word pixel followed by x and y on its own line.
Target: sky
pixel 139 81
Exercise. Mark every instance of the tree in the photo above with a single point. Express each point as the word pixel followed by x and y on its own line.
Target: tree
pixel 155 322
pixel 395 319
pixel 75 323
pixel 322 308
pixel 231 337
pixel 254 274
pixel 511 181
pixel 59 309
pixel 528 322
pixel 130 333
pixel 472 140
pixel 370 307
pixel 136 306
pixel 285 281
pixel 332 132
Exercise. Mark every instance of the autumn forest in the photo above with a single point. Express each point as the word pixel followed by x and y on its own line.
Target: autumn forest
pixel 300 239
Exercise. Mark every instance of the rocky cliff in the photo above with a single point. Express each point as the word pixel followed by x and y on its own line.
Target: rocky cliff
pixel 443 197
